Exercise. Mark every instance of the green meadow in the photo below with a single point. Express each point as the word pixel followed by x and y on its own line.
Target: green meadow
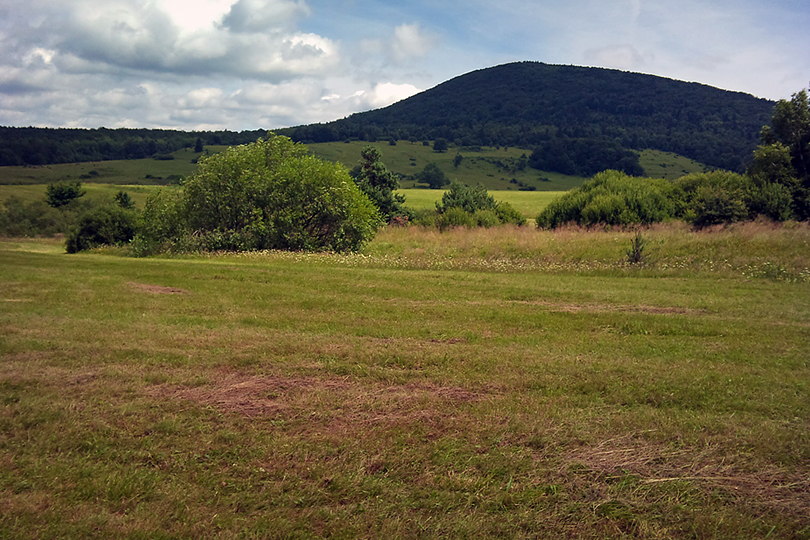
pixel 503 382
pixel 529 203
pixel 487 166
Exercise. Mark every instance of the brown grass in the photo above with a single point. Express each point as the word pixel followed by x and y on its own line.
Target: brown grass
pixel 156 289
pixel 771 489
pixel 331 403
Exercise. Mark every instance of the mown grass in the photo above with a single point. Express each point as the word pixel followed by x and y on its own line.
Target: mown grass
pixel 508 382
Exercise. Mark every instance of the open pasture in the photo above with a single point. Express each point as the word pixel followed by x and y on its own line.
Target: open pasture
pixel 487 383
pixel 529 203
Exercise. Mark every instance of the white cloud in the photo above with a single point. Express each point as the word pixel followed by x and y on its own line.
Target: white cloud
pixel 622 56
pixel 384 94
pixel 256 16
pixel 410 42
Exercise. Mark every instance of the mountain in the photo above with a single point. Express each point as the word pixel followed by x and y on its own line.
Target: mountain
pixel 537 105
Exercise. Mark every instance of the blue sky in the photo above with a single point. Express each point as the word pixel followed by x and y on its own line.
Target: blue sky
pixel 246 64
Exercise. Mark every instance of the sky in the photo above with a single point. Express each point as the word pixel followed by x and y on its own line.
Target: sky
pixel 265 64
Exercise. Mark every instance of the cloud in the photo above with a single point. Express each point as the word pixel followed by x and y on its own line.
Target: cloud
pixel 256 16
pixel 384 94
pixel 410 42
pixel 622 56
pixel 248 39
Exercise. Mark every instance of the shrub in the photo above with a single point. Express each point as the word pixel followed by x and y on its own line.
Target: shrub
pixel 480 207
pixel 773 200
pixel 638 244
pixel 455 217
pixel 123 200
pixel 61 194
pixel 34 218
pixel 611 198
pixel 270 194
pixel 715 197
pixel 507 214
pixel 101 226
pixel 468 198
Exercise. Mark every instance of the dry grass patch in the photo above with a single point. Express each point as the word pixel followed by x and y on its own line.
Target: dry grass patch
pixel 156 289
pixel 328 402
pixel 770 490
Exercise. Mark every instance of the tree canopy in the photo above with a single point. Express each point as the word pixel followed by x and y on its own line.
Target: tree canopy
pixel 270 194
pixel 379 184
pixel 781 163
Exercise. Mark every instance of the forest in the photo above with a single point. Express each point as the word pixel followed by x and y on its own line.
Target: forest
pixel 536 105
pixel 42 146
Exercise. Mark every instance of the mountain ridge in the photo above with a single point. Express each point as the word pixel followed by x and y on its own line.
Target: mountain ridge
pixel 531 103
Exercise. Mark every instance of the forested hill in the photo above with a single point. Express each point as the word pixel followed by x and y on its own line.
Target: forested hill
pixel 533 104
pixel 40 146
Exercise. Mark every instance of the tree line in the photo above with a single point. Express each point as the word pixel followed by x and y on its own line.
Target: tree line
pixel 43 146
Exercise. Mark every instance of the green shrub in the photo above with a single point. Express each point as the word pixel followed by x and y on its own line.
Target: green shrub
pixel 507 214
pixel 60 194
pixel 773 200
pixel 270 194
pixel 715 197
pixel 486 218
pixel 34 218
pixel 611 198
pixel 101 226
pixel 472 206
pixel 455 217
pixel 468 198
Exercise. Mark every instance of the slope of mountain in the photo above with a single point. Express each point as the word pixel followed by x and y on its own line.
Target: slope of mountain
pixel 530 104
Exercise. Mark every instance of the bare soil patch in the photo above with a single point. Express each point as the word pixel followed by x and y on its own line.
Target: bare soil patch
pixel 156 289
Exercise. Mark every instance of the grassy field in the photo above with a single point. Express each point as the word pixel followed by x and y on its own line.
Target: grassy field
pixel 488 167
pixel 31 192
pixel 529 203
pixel 658 164
pixel 475 383
pixel 127 171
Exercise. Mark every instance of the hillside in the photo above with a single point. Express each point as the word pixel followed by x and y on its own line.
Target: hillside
pixel 531 104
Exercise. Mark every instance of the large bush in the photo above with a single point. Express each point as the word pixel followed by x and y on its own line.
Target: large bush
pixel 611 198
pixel 105 225
pixel 270 194
pixel 473 206
pixel 715 197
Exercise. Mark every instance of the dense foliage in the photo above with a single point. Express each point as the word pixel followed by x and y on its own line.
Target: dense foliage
pixel 432 176
pixel 471 206
pixel 105 225
pixel 270 194
pixel 378 183
pixel 40 146
pixel 702 199
pixel 60 194
pixel 530 104
pixel 612 198
pixel 781 164
pixel 584 157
